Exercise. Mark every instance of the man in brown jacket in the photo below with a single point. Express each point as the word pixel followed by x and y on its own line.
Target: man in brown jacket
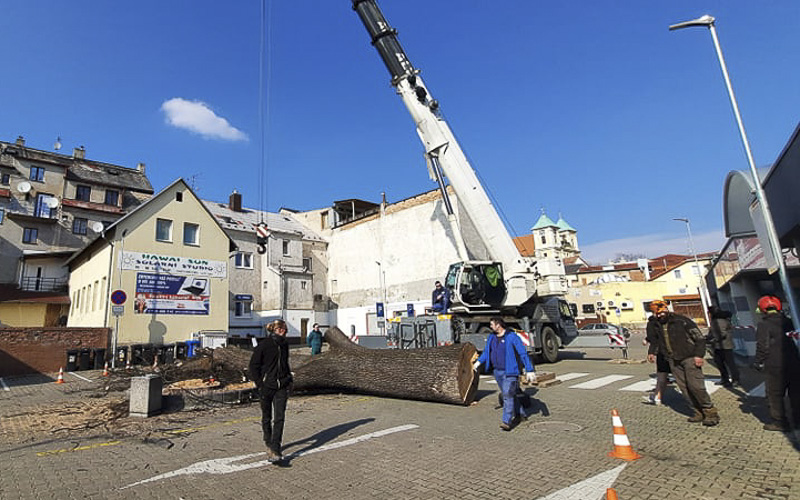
pixel 684 346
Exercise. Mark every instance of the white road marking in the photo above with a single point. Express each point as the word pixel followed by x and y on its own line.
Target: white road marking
pixel 3 383
pixel 227 465
pixel 600 382
pixel 79 376
pixel 643 386
pixel 593 488
pixel 711 385
pixel 759 391
pixel 570 376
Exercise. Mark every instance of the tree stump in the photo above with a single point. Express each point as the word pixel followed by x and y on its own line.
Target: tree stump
pixel 438 374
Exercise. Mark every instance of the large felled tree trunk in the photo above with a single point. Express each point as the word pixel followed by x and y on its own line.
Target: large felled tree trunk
pixel 440 374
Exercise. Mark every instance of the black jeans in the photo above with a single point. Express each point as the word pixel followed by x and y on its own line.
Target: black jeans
pixel 273 412
pixel 726 365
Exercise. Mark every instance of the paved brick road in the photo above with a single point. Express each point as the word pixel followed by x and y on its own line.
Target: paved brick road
pixel 452 452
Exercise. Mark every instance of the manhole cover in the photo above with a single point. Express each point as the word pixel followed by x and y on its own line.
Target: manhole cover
pixel 556 427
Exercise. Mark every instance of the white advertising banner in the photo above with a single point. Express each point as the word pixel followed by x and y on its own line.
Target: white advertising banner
pixel 151 262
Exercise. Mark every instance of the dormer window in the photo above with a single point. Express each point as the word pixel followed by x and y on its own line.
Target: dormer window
pixel 83 193
pixel 112 197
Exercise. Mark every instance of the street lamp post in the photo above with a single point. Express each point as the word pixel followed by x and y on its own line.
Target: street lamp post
pixel 704 297
pixel 708 22
pixel 382 294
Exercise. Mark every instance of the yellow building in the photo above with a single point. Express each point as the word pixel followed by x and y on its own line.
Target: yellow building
pixel 601 292
pixel 169 260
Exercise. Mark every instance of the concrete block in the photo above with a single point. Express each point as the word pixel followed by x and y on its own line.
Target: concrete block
pixel 145 399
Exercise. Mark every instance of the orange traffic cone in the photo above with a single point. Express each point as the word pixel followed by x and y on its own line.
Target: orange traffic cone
pixel 105 370
pixel 622 447
pixel 611 494
pixel 60 379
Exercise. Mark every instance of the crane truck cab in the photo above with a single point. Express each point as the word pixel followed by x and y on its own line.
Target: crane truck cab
pixel 476 285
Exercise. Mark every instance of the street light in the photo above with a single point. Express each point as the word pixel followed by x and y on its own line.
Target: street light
pixel 704 298
pixel 708 22
pixel 382 293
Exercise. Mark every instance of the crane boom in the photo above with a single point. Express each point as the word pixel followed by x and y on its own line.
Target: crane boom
pixel 444 155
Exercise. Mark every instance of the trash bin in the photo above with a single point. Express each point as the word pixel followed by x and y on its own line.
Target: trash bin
pixel 148 354
pixel 167 354
pixel 84 359
pixel 137 354
pixel 192 346
pixel 72 359
pixel 122 355
pixel 99 358
pixel 180 350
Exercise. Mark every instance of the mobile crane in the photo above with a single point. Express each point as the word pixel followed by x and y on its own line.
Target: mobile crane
pixel 528 294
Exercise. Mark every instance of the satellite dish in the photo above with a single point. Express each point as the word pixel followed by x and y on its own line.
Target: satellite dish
pixel 24 187
pixel 51 202
pixel 97 227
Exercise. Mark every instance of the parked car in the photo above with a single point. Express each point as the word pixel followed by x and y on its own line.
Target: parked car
pixel 602 329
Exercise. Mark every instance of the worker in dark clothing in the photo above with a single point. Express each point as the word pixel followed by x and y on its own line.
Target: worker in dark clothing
pixel 777 355
pixel 662 365
pixel 440 298
pixel 269 368
pixel 720 336
pixel 684 346
pixel 314 340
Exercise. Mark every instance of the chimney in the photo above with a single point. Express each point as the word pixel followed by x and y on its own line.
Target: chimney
pixel 140 167
pixel 79 153
pixel 20 141
pixel 235 201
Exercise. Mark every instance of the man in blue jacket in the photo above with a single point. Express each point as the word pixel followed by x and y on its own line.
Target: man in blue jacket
pixel 504 353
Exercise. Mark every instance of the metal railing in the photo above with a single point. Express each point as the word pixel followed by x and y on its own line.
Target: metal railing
pixel 32 283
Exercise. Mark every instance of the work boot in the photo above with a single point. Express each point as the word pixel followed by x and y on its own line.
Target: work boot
pixel 779 426
pixel 710 417
pixel 697 417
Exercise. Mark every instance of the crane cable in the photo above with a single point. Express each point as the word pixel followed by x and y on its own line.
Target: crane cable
pixel 265 49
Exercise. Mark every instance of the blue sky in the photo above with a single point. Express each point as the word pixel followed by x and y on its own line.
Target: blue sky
pixel 591 109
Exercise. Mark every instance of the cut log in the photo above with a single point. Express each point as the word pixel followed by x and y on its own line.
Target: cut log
pixel 439 374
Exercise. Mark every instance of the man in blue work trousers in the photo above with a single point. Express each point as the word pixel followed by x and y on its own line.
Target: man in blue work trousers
pixel 506 355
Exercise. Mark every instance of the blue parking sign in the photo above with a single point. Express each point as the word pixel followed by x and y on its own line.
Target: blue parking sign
pixel 379 309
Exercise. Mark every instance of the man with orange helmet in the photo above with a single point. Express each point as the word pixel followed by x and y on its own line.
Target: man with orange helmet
pixel 684 346
pixel 777 355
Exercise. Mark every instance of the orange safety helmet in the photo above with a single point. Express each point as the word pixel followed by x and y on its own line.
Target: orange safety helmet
pixel 658 306
pixel 769 301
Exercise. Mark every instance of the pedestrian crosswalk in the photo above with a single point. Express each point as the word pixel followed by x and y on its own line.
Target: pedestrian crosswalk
pixel 612 381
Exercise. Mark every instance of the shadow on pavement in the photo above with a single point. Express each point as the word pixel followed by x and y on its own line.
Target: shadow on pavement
pixel 321 438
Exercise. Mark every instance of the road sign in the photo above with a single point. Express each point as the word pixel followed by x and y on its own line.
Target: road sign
pixel 410 310
pixel 379 309
pixel 117 310
pixel 118 297
pixel 619 313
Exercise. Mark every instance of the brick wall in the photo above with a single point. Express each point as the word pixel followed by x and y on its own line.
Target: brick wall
pixel 32 350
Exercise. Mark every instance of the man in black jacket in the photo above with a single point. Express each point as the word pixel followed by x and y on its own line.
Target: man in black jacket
pixel 777 355
pixel 269 369
pixel 684 346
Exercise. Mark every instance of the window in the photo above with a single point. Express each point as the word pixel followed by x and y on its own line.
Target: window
pixel 544 239
pixel 588 308
pixel 2 214
pixel 303 285
pixel 285 247
pixel 112 197
pixel 265 285
pixel 243 308
pixel 307 263
pixel 37 174
pixel 83 193
pixel 30 235
pixel 191 234
pixel 79 225
pixel 5 179
pixel 178 195
pixel 243 260
pixel 696 270
pixel 678 274
pixel 45 205
pixel 324 219
pixel 163 230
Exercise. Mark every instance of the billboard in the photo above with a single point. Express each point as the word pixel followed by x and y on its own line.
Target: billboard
pixel 168 294
pixel 137 261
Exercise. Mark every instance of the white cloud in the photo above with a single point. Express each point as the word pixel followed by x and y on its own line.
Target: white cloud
pixel 197 117
pixel 652 245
